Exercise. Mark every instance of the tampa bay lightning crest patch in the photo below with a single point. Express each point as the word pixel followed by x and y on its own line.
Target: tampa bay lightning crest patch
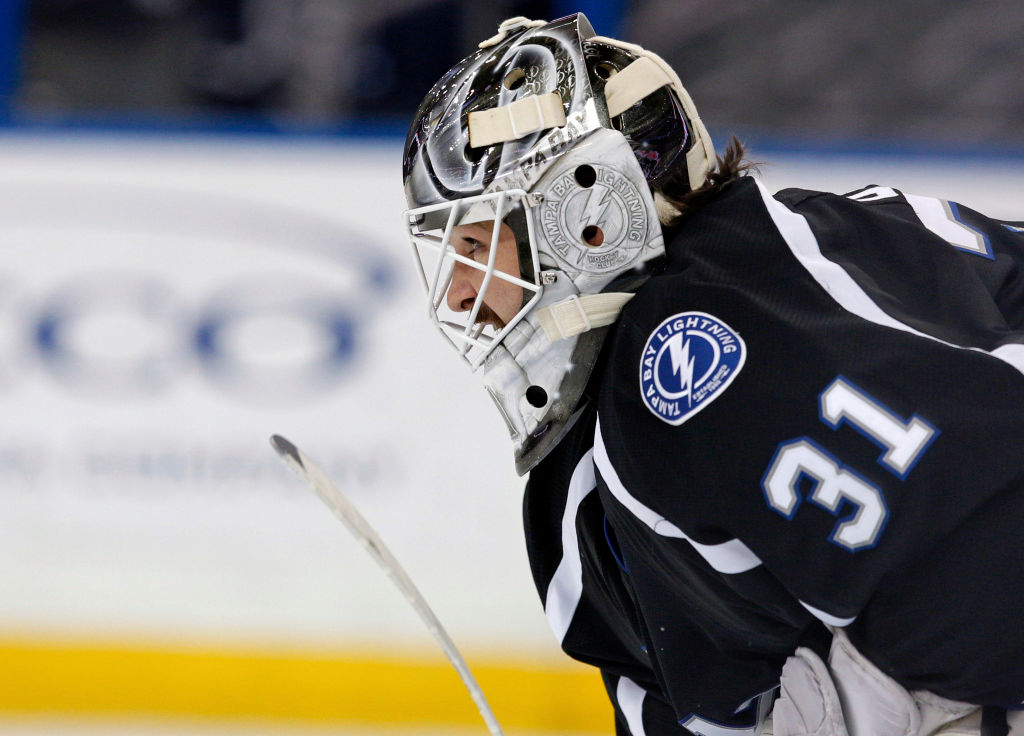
pixel 687 362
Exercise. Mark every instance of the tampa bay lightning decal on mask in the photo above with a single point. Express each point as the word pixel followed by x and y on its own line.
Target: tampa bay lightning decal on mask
pixel 689 360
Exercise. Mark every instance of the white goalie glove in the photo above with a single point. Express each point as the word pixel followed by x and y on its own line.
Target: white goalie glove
pixel 849 696
pixel 808 704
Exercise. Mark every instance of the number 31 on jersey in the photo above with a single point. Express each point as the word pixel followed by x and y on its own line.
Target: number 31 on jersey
pixel 803 461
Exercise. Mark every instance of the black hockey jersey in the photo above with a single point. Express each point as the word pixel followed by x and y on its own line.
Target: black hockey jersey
pixel 813 417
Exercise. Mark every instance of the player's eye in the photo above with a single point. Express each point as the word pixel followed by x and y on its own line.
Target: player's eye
pixel 474 248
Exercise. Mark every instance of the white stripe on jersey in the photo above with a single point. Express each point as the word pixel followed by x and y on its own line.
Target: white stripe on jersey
pixel 566 586
pixel 631 703
pixel 1012 354
pixel 841 286
pixel 697 725
pixel 936 215
pixel 828 618
pixel 728 557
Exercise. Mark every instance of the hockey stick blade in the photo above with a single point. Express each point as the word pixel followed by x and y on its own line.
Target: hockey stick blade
pixel 349 515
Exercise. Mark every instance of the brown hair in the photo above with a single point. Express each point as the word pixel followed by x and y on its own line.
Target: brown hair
pixel 728 167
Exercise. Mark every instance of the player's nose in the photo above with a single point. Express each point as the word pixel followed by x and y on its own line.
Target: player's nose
pixel 462 292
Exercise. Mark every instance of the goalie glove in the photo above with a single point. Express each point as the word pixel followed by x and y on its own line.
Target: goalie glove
pixel 852 697
pixel 808 703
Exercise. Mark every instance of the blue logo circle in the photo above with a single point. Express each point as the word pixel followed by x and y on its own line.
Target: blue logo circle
pixel 687 361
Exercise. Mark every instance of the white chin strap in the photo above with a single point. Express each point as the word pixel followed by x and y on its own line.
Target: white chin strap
pixel 578 314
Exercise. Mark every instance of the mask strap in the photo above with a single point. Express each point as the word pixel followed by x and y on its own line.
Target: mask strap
pixel 632 84
pixel 510 25
pixel 579 314
pixel 701 156
pixel 516 120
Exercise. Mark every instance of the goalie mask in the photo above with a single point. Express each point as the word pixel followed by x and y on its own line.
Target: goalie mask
pixel 529 171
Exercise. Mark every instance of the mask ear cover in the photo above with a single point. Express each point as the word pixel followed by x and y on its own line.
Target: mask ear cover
pixel 657 129
pixel 662 125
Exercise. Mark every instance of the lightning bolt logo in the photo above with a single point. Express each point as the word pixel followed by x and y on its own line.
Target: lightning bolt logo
pixel 597 204
pixel 687 362
pixel 682 364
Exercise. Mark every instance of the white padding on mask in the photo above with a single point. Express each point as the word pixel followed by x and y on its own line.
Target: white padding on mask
pixel 632 84
pixel 578 314
pixel 516 120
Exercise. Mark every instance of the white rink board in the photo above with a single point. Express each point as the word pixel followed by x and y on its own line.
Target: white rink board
pixel 141 494
pixel 988 184
pixel 166 304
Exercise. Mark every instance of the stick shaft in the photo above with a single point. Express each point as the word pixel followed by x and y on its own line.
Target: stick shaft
pixel 354 521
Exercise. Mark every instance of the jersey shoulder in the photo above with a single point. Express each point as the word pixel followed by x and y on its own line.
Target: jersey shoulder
pixel 960 226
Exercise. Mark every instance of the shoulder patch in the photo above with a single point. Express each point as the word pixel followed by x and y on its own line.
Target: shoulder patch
pixel 688 360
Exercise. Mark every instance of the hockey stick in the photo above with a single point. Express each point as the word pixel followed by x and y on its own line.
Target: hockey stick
pixel 316 479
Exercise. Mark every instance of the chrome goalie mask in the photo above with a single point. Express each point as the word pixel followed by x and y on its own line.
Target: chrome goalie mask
pixel 528 171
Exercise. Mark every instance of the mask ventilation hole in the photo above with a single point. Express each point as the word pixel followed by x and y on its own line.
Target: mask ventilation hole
pixel 473 155
pixel 585 176
pixel 537 396
pixel 514 79
pixel 593 236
